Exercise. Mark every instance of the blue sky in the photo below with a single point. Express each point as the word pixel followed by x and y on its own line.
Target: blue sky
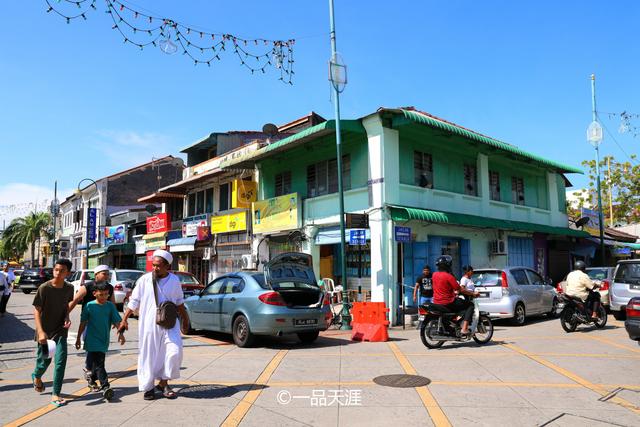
pixel 77 102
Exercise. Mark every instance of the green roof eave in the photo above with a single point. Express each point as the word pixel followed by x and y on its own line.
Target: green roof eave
pixel 409 116
pixel 403 213
pixel 309 134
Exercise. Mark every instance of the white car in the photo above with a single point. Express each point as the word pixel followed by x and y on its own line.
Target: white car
pixel 122 281
pixel 79 277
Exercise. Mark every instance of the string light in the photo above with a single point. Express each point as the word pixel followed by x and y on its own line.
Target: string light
pixel 137 28
pixel 626 122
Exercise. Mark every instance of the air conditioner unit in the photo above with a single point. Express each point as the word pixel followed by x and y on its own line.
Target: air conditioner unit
pixel 64 245
pixel 248 263
pixel 498 247
pixel 63 254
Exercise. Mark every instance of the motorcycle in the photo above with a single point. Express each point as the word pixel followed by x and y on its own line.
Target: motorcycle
pixel 576 313
pixel 438 325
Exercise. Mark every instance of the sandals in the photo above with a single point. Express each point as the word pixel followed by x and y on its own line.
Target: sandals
pixel 58 402
pixel 36 387
pixel 150 394
pixel 167 391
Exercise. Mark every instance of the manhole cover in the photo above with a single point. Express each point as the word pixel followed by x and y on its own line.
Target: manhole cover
pixel 402 380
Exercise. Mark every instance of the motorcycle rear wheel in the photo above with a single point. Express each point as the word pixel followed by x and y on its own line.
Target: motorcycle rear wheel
pixel 602 318
pixel 568 320
pixel 484 330
pixel 427 330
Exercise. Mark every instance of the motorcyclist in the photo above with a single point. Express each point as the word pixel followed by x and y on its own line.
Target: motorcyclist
pixel 445 287
pixel 580 285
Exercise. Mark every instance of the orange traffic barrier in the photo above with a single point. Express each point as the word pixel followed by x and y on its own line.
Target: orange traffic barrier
pixel 369 321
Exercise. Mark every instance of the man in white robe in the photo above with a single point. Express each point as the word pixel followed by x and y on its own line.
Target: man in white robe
pixel 160 349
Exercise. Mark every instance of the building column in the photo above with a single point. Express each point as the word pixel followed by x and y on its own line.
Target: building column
pixel 482 166
pixel 552 191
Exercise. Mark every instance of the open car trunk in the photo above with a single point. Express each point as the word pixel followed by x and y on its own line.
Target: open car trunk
pixel 291 275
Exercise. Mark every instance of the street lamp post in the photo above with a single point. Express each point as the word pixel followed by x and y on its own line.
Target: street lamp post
pixel 338 77
pixel 88 201
pixel 594 136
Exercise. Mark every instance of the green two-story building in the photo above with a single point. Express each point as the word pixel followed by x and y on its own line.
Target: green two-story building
pixel 428 186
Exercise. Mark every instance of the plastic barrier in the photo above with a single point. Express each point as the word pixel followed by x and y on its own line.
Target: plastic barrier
pixel 369 321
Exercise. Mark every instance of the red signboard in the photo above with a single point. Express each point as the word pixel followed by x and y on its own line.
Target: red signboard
pixel 149 266
pixel 158 223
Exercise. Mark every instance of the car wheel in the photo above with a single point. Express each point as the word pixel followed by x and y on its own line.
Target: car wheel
pixel 619 315
pixel 25 291
pixel 554 309
pixel 519 315
pixel 308 337
pixel 242 335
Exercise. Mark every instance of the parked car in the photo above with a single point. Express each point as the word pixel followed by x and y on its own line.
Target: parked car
pixel 122 282
pixel 514 293
pixel 17 273
pixel 32 278
pixel 285 299
pixel 190 283
pixel 626 285
pixel 78 278
pixel 632 324
pixel 603 276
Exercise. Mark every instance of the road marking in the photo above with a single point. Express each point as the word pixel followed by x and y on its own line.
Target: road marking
pixel 49 408
pixel 613 343
pixel 433 408
pixel 241 409
pixel 574 377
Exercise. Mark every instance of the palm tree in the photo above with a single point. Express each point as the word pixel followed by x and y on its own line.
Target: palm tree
pixel 26 231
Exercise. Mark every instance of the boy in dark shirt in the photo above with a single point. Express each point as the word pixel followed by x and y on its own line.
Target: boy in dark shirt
pixel 97 317
pixel 424 286
pixel 51 314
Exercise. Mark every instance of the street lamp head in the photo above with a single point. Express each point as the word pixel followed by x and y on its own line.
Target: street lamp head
pixel 594 133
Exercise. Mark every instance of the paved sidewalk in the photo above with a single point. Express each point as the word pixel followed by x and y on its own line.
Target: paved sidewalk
pixel 526 376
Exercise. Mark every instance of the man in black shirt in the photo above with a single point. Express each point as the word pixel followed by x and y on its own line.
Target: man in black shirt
pixel 424 286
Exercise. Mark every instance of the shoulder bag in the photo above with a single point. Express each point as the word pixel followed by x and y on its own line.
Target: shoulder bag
pixel 167 312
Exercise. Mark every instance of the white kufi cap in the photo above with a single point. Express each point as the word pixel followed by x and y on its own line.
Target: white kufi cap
pixel 164 254
pixel 100 268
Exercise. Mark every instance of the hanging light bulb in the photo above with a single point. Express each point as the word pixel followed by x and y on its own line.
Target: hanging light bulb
pixel 624 128
pixel 167 46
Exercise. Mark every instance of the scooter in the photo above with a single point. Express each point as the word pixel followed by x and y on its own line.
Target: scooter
pixel 438 326
pixel 576 313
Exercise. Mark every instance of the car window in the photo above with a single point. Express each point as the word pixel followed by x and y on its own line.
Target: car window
pixel 628 272
pixel 293 285
pixel 259 277
pixel 215 287
pixel 72 277
pixel 597 273
pixel 535 278
pixel 520 276
pixel 487 278
pixel 89 275
pixel 233 285
pixel 187 279
pixel 128 275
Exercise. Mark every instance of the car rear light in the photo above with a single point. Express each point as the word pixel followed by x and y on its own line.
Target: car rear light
pixel 421 311
pixel 118 287
pixel 272 298
pixel 505 284
pixel 604 285
pixel 326 300
pixel 633 308
pixel 559 288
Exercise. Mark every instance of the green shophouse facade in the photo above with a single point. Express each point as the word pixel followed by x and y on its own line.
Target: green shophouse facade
pixel 485 202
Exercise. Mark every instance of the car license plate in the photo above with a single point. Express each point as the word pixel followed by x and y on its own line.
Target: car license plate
pixel 635 287
pixel 485 294
pixel 305 322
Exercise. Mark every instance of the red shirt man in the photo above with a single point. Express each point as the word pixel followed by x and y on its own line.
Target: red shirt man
pixel 444 287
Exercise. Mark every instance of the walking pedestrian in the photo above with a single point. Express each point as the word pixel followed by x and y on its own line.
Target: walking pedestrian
pixel 51 314
pixel 6 284
pixel 96 318
pixel 160 352
pixel 424 286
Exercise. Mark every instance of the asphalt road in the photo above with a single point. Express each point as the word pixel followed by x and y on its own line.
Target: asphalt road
pixel 527 376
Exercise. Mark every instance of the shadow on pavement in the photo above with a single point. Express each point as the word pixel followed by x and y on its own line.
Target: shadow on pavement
pixel 214 391
pixel 47 384
pixel 13 329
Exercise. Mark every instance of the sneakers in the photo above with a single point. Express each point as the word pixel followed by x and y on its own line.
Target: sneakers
pixel 94 386
pixel 107 393
pixel 87 375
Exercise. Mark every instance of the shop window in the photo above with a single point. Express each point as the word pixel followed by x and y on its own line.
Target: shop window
pixel 225 194
pixel 208 200
pixel 422 169
pixel 517 190
pixel 322 177
pixel 494 185
pixel 191 208
pixel 199 202
pixel 470 180
pixel 175 209
pixel 283 183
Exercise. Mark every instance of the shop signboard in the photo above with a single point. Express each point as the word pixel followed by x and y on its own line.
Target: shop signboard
pixel 203 233
pixel 402 234
pixel 357 237
pixel 229 223
pixel 140 247
pixel 115 235
pixel 231 155
pixel 190 224
pixel 243 193
pixel 276 214
pixel 93 213
pixel 158 223
pixel 622 251
pixel 593 226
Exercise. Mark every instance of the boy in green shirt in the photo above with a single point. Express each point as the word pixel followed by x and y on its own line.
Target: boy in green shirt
pixel 97 317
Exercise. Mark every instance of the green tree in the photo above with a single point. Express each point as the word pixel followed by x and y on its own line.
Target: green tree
pixel 621 182
pixel 25 232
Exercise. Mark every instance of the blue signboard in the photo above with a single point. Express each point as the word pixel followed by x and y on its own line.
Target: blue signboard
pixel 92 224
pixel 357 237
pixel 402 234
pixel 622 251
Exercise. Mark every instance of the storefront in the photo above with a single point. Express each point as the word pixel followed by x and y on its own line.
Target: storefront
pixel 97 256
pixel 278 220
pixel 141 256
pixel 232 243
pixel 194 247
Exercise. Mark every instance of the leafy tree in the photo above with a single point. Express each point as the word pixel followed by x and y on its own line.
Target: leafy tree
pixel 25 232
pixel 622 181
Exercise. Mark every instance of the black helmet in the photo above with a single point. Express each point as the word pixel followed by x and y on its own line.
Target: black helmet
pixel 580 265
pixel 444 262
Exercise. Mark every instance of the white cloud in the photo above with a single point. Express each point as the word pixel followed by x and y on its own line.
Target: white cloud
pixel 18 199
pixel 130 148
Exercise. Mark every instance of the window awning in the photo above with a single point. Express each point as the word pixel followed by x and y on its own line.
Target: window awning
pixel 182 241
pixel 154 235
pixel 97 251
pixel 160 197
pixel 403 213
pixel 181 187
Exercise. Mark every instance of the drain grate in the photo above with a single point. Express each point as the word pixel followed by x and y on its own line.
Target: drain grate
pixel 402 381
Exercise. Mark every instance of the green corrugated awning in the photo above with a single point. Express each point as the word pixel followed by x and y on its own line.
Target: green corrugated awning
pixel 409 116
pixel 319 130
pixel 123 248
pixel 403 213
pixel 97 251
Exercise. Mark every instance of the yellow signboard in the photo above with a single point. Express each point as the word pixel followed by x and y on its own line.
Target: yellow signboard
pixel 243 193
pixel 229 223
pixel 276 214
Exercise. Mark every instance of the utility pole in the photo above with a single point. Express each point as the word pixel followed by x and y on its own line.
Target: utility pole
pixel 596 143
pixel 610 193
pixel 54 216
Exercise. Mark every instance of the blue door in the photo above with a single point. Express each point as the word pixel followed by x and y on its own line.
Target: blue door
pixel 520 252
